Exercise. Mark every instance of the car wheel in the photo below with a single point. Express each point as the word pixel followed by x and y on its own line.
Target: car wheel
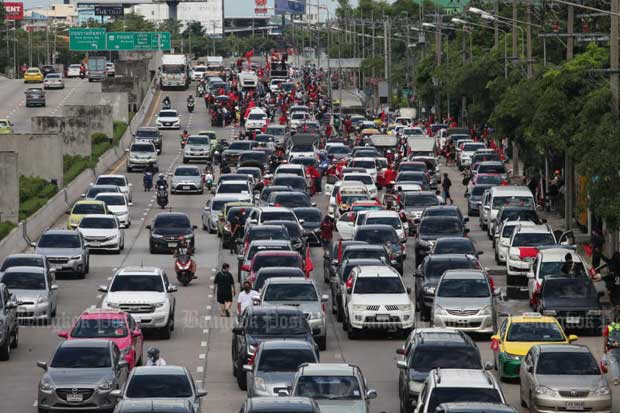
pixel 54 312
pixel 185 160
pixel 352 333
pixel 15 341
pixel 164 332
pixel 204 227
pixel 41 410
pixel 242 379
pixel 322 342
pixel 212 231
pixel 151 249
pixel 5 350
pixel 345 322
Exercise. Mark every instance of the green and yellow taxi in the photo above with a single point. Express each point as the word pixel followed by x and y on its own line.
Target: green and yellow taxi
pixel 517 334
pixel 5 126
pixel 85 207
pixel 224 217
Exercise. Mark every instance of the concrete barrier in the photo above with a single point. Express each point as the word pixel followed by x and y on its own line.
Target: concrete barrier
pixel 75 132
pixel 30 147
pixel 99 117
pixel 119 101
pixel 9 182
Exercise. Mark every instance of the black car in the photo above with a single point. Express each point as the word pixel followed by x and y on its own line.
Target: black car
pixel 474 198
pixel 290 199
pixel 35 96
pixel 298 183
pixel 310 219
pixel 573 301
pixel 295 233
pixel 266 273
pixel 47 69
pixel 455 245
pixel 431 229
pixel 333 257
pixel 420 178
pixel 511 213
pixel 430 271
pixel 231 155
pixel 444 211
pixel 279 405
pixel 260 158
pixel 258 324
pixel 386 235
pixel 338 283
pixel 263 199
pixel 427 349
pixel 166 230
pixel 151 134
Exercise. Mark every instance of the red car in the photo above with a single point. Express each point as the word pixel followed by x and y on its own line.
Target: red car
pixel 117 326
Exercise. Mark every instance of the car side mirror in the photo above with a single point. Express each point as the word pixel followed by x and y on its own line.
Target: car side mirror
pixel 116 393
pixel 530 369
pixel 11 305
pixel 63 334
pixel 488 366
pixel 33 244
pixel 103 289
pixel 53 287
pixel 283 393
pixel 172 288
pixel 408 290
pixel 324 298
pixel 201 393
pixel 371 394
pixel 148 227
pixel 572 338
pixel 401 364
pixel 42 364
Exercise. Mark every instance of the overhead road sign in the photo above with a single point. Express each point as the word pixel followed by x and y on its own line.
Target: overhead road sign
pixel 116 10
pixel 83 39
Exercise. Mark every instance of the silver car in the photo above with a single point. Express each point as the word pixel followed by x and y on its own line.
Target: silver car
pixel 197 148
pixel 65 250
pixel 141 154
pixel 216 205
pixel 275 365
pixel 186 179
pixel 464 301
pixel 561 378
pixel 35 290
pixel 81 375
pixel 161 383
pixel 303 294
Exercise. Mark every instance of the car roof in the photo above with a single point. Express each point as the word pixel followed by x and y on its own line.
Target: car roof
pixel 117 194
pixel 286 344
pixel 510 189
pixel 434 336
pixel 154 405
pixel 361 246
pixel 557 254
pixel 278 253
pixel 61 232
pixel 233 182
pixel 475 407
pixel 274 309
pixel 454 239
pixel 138 270
pixel 274 209
pixel 289 280
pixel 280 404
pixel 443 207
pixel 382 271
pixel 103 216
pixel 464 274
pixel 25 268
pixel 375 227
pixel 24 255
pixel 193 167
pixel 563 348
pixel 229 197
pixel 89 342
pixel 158 370
pixel 463 378
pixel 538 229
pixel 532 317
pixel 111 176
pixel 170 213
pixel 269 242
pixel 326 369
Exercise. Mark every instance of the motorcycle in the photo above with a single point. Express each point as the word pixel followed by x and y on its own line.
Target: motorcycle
pixel 184 267
pixel 165 105
pixel 162 196
pixel 148 181
pixel 190 106
pixel 209 181
pixel 201 91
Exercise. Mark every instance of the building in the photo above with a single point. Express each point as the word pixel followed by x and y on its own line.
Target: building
pixel 209 13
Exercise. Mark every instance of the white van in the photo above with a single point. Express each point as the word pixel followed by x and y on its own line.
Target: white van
pixel 500 196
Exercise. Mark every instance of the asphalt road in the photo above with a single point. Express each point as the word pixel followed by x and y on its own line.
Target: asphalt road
pixel 201 340
pixel 13 100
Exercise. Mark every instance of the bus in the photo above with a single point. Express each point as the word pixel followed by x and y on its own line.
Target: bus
pixel 174 72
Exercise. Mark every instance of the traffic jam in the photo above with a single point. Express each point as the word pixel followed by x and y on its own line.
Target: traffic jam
pixel 385 224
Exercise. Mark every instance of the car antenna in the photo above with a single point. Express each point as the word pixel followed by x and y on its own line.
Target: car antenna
pixel 142 262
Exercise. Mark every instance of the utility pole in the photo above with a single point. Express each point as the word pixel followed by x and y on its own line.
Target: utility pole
pixel 515 17
pixel 568 162
pixel 530 63
pixel 613 65
pixel 496 26
pixel 386 58
pixel 372 19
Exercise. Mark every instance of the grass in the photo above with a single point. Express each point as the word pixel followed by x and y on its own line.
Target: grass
pixel 73 165
pixel 5 228
pixel 33 194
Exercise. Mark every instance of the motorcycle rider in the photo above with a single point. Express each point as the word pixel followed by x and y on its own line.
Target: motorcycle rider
pixel 153 358
pixel 184 137
pixel 149 172
pixel 209 176
pixel 166 102
pixel 161 182
pixel 184 249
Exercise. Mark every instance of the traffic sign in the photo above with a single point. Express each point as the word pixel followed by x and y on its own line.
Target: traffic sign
pixel 138 41
pixel 82 39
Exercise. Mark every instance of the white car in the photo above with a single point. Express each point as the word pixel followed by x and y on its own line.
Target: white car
pixel 502 241
pixel 302 151
pixel 119 180
pixel 53 81
pixel 298 118
pixel 338 186
pixel 369 164
pixel 274 85
pixel 391 218
pixel 413 132
pixel 257 118
pixel 102 232
pixel 523 249
pixel 365 179
pixel 198 72
pixel 146 294
pixel 118 205
pixel 377 298
pixel 168 119
pixel 348 222
pixel 110 69
pixel 467 151
pixel 73 70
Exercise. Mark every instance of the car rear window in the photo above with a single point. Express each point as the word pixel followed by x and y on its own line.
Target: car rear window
pixel 81 358
pixel 284 359
pixel 290 292
pixel 276 261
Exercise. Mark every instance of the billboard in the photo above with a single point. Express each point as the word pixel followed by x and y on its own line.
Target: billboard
pixel 291 6
pixel 248 9
pixel 14 11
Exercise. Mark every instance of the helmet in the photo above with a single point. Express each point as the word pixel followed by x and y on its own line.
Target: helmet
pixel 161 176
pixel 153 352
pixel 184 130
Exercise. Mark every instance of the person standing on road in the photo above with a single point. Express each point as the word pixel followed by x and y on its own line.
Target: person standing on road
pixel 327 230
pixel 611 336
pixel 246 297
pixel 224 289
pixel 598 241
pixel 236 224
pixel 446 183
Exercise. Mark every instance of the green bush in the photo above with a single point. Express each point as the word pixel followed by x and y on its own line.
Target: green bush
pixel 73 165
pixel 33 194
pixel 119 130
pixel 5 228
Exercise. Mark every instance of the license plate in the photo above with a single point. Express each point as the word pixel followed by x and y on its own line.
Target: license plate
pixel 186 187
pixel 71 397
pixel 574 406
pixel 572 320
pixel 172 244
pixel 383 317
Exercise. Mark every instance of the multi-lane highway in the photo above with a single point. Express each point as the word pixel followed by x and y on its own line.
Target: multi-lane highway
pixel 201 340
pixel 13 100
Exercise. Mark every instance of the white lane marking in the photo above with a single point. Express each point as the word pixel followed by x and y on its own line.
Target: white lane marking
pixel 35 403
pixel 201 356
pixel 200 369
pixel 209 307
pixel 214 269
pixel 210 296
pixel 99 296
pixel 205 331
pixel 211 287
pixel 109 278
pixel 207 318
pixel 212 278
pixel 203 344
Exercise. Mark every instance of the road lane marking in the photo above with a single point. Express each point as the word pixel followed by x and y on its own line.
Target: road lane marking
pixel 200 369
pixel 203 344
pixel 205 331
pixel 201 356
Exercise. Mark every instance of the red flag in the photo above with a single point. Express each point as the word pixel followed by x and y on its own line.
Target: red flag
pixel 587 248
pixel 339 250
pixel 309 265
pixel 248 55
pixel 528 252
pixel 494 345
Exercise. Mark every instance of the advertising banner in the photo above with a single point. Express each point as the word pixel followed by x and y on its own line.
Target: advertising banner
pixel 14 11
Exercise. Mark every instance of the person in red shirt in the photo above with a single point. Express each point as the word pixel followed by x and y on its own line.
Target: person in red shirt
pixel 282 119
pixel 389 175
pixel 315 175
pixel 327 230
pixel 328 131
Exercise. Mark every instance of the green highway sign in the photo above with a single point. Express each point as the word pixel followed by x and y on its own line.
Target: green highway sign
pixel 87 39
pixel 97 39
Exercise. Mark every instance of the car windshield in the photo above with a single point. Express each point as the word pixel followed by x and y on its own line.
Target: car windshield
pixel 422 154
pixel 411 176
pixel 364 253
pixel 149 386
pixel 296 182
pixel 22 261
pixel 417 200
pixel 291 171
pixel 240 145
pixel 454 246
pixel 302 148
pixel 275 131
pixel 478 190
pixel 308 215
pixel 441 212
pixel 567 364
pixel 172 221
pixel 277 216
pixel 84 209
pixel 290 292
pixel 99 328
pixel 519 214
pixel 276 261
pixel 263 277
pixel 81 358
pixel 378 285
pixel 339 150
pixel 556 268
pixel 187 172
pixel 253 156
pixel 101 223
pixel 167 114
pixel 146 133
pixel 260 232
pixel 365 179
pixel 111 200
pixel 232 188
pixel 488 180
pixel 518 201
pixel 95 190
pixel 237 210
pixel 137 282
pixel 111 180
pixel 413 167
pixel 362 164
pixel 491 169
pixel 284 359
pixel 534 332
pixel 440 227
pixel 463 288
pixel 59 241
pixel 250 171
pixel 24 281
pixel 142 147
pixel 436 267
pixel 507 231
pixel 302 160
pixel 328 387
pixel 468 394
pixel 523 239
pixel 472 147
pixel 428 358
pixel 272 324
pixel 376 235
pixel 257 116
pixel 568 288
pixel 394 222
pixel 198 140
pixel 292 200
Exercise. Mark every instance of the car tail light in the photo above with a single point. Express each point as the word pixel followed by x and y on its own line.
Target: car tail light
pixel 492 283
pixel 323 307
pixel 245 267
pixel 349 283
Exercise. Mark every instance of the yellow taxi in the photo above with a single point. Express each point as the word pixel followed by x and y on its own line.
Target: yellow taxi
pixel 33 74
pixel 6 126
pixel 85 207
pixel 518 334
